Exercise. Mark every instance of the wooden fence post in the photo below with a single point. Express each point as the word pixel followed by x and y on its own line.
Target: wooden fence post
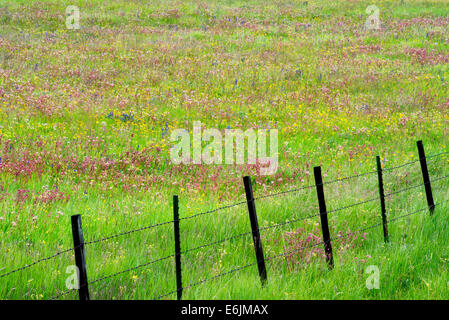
pixel 80 258
pixel 323 216
pixel 425 175
pixel 382 198
pixel 177 247
pixel 255 229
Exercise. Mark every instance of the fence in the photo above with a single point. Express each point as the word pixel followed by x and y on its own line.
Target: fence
pixel 79 243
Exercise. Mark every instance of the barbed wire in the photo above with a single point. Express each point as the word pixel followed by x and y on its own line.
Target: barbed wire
pixel 248 265
pixel 415 161
pixel 284 192
pixel 414 212
pixel 314 185
pixel 128 232
pixel 36 262
pixel 408 214
pixel 230 238
pixel 404 189
pixel 439 178
pixel 289 222
pixel 258 198
pixel 157 225
pixel 241 268
pixel 151 262
pixel 63 294
pixel 348 178
pixel 261 197
pixel 161 224
pixel 216 242
pixel 85 243
pixel 437 155
pixel 243 234
pixel 237 204
pixel 208 279
pixel 353 205
pixel 416 186
pixel 214 210
pixel 115 274
pixel 293 251
pixel 226 273
pixel 400 166
pixel 317 215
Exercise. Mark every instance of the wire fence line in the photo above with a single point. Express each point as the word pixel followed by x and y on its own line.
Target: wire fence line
pixel 440 178
pixel 437 155
pixel 79 246
pixel 431 157
pixel 350 177
pixel 405 189
pixel 214 210
pixel 217 242
pixel 235 236
pixel 285 254
pixel 154 261
pixel 114 275
pixel 353 205
pixel 400 166
pixel 128 232
pixel 340 236
pixel 35 262
pixel 416 186
pixel 236 204
pixel 112 237
pixel 247 233
pixel 289 222
pixel 314 185
pixel 284 192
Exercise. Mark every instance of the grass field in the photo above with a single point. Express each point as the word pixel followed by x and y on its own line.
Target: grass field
pixel 85 123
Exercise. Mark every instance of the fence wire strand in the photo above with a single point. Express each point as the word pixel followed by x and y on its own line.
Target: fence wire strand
pixel 230 238
pixel 268 196
pixel 353 205
pixel 216 242
pixel 350 177
pixel 35 262
pixel 284 192
pixel 245 266
pixel 437 155
pixel 428 158
pixel 415 161
pixel 400 166
pixel 115 274
pixel 128 232
pixel 289 222
pixel 214 210
pixel 293 251
pixel 416 186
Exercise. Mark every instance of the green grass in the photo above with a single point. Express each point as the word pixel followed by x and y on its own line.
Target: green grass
pixel 361 93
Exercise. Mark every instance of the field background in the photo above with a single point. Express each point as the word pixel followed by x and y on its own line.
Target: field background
pixel 86 117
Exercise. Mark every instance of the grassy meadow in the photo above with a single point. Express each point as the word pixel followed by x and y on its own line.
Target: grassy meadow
pixel 85 123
